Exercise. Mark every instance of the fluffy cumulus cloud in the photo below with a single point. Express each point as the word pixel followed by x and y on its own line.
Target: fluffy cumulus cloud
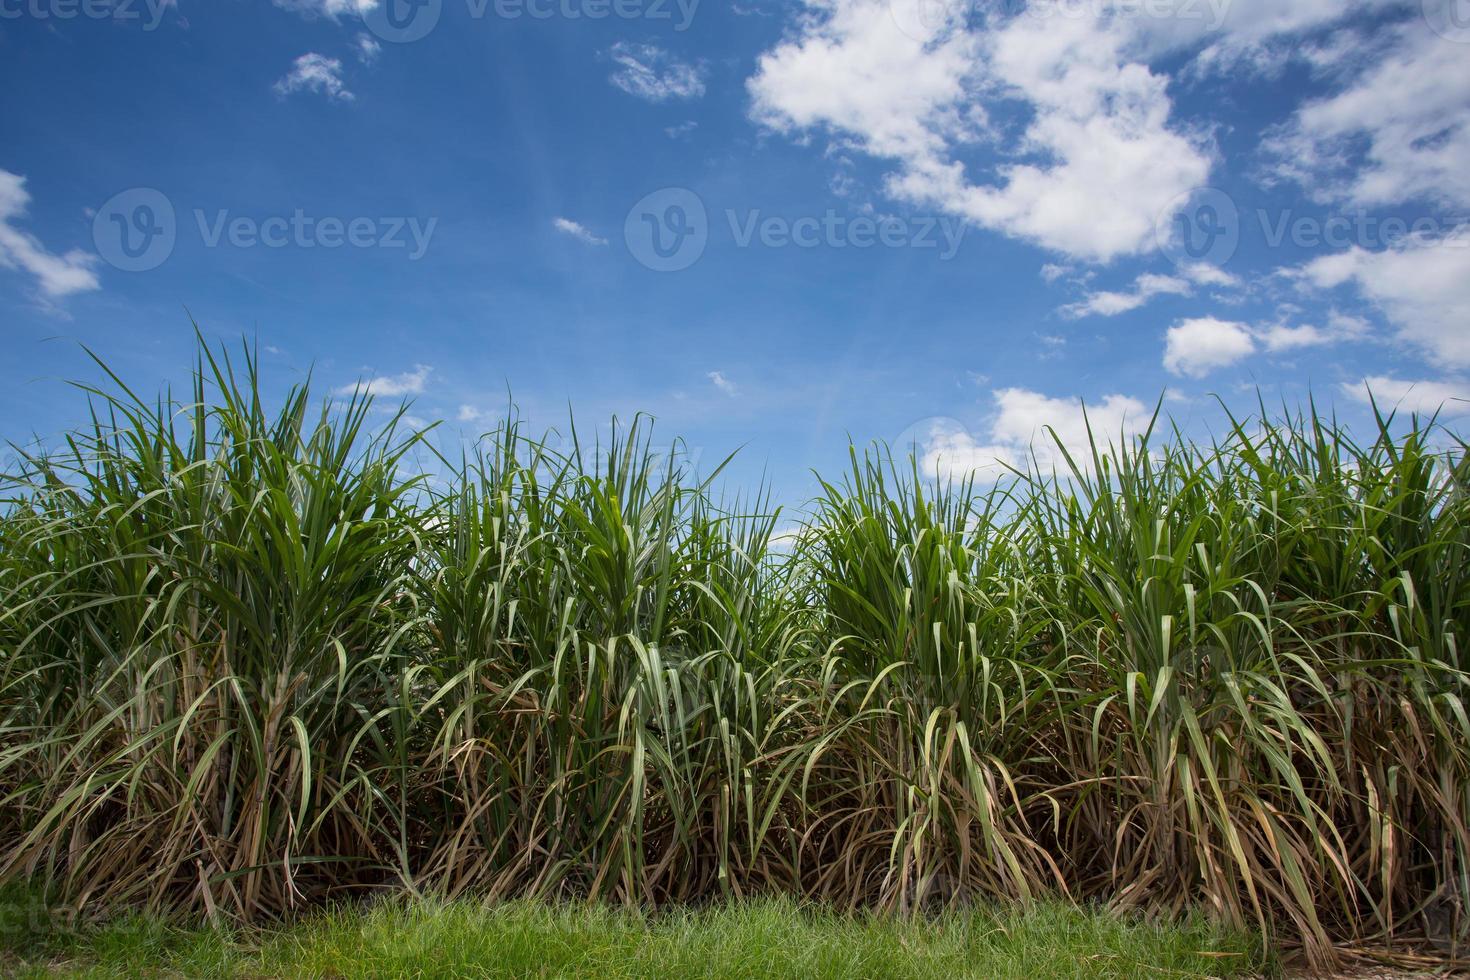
pixel 1028 424
pixel 1088 175
pixel 1399 131
pixel 317 73
pixel 1422 287
pixel 55 275
pixel 718 379
pixel 1195 347
pixel 651 73
pixel 1449 399
pixel 391 386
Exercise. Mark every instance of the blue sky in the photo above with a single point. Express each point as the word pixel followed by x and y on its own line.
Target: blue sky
pixel 772 226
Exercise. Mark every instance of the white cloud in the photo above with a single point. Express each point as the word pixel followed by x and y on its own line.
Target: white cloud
pixel 1198 346
pixel 1023 425
pixel 1279 337
pixel 1145 288
pixel 472 414
pixel 950 452
pixel 1422 287
pixel 723 383
pixel 578 231
pixel 1409 115
pixel 1235 31
pixel 56 275
pixel 1448 398
pixel 391 386
pixel 368 49
pixel 1095 167
pixel 651 73
pixel 314 72
pixel 332 9
pixel 1205 274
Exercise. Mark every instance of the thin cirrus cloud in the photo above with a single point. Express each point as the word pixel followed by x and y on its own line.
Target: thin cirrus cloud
pixel 578 231
pixel 718 379
pixel 652 74
pixel 316 73
pixel 55 275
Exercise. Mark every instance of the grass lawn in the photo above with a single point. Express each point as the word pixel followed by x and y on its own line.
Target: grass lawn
pixel 757 939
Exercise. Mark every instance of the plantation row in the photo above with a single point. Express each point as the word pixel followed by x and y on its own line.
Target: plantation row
pixel 249 664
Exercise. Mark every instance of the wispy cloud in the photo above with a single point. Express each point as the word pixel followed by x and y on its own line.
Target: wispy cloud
pixel 331 9
pixel 367 48
pixel 577 230
pixel 718 379
pixel 391 386
pixel 1145 288
pixel 651 73
pixel 314 72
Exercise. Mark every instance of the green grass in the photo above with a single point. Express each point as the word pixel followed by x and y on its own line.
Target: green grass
pixel 255 658
pixel 757 939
